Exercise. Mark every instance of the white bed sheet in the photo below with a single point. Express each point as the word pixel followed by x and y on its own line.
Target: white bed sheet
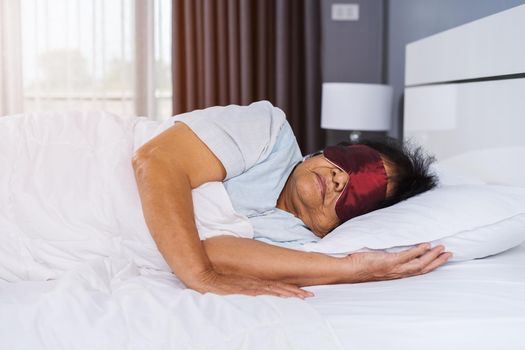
pixel 478 304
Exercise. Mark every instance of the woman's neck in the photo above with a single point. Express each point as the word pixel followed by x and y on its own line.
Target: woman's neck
pixel 284 201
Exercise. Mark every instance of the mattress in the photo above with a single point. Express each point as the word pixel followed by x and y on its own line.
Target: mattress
pixel 478 304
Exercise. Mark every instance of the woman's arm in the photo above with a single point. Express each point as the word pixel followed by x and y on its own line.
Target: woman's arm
pixel 245 256
pixel 166 169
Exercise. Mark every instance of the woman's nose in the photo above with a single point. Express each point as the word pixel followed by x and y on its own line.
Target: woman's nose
pixel 340 178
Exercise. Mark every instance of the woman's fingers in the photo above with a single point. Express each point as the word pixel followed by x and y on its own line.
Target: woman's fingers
pixel 430 260
pixel 291 290
pixel 234 284
pixel 431 255
pixel 280 293
pixel 441 259
pixel 415 252
pixel 282 290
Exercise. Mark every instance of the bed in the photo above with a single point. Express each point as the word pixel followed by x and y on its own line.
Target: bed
pixel 465 103
pixel 477 304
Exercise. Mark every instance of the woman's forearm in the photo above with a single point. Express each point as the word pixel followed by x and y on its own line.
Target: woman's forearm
pixel 249 257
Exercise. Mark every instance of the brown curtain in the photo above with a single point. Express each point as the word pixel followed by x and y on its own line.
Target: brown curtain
pixel 240 51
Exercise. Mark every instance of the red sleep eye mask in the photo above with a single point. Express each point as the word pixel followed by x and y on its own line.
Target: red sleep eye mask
pixel 366 187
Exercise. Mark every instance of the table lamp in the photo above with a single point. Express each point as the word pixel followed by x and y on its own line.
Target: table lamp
pixel 357 107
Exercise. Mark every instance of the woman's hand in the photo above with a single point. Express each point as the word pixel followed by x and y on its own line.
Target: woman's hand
pixel 378 266
pixel 218 283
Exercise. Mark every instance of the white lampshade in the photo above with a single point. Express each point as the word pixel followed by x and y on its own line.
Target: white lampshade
pixel 353 106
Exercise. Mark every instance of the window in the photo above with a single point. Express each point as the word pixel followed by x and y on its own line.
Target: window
pixel 92 55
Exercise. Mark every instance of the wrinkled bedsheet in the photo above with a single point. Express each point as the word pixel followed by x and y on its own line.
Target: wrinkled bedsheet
pixel 84 272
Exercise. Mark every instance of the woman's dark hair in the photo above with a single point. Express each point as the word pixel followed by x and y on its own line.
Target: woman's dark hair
pixel 411 175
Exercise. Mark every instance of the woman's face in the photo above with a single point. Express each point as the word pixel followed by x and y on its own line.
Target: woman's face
pixel 311 193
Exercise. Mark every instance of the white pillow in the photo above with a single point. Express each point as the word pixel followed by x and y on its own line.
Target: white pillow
pixel 471 221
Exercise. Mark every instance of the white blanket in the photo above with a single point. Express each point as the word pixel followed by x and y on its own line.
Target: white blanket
pixel 69 195
pixel 70 217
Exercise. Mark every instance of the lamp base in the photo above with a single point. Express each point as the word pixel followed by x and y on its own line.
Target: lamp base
pixel 355 136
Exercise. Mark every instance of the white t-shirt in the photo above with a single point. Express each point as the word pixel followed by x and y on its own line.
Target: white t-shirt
pixel 258 149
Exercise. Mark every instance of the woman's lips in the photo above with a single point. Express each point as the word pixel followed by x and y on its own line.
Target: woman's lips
pixel 322 185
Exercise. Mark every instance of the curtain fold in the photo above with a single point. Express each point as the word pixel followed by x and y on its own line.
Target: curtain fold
pixel 240 51
pixel 11 90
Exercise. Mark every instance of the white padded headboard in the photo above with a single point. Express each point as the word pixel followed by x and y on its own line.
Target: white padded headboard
pixel 465 97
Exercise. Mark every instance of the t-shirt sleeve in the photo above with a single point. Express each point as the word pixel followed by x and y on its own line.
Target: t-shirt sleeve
pixel 239 136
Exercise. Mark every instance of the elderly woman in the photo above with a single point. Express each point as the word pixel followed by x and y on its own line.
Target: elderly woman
pixel 252 149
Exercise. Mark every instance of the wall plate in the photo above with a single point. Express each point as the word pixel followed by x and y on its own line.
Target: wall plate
pixel 345 12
